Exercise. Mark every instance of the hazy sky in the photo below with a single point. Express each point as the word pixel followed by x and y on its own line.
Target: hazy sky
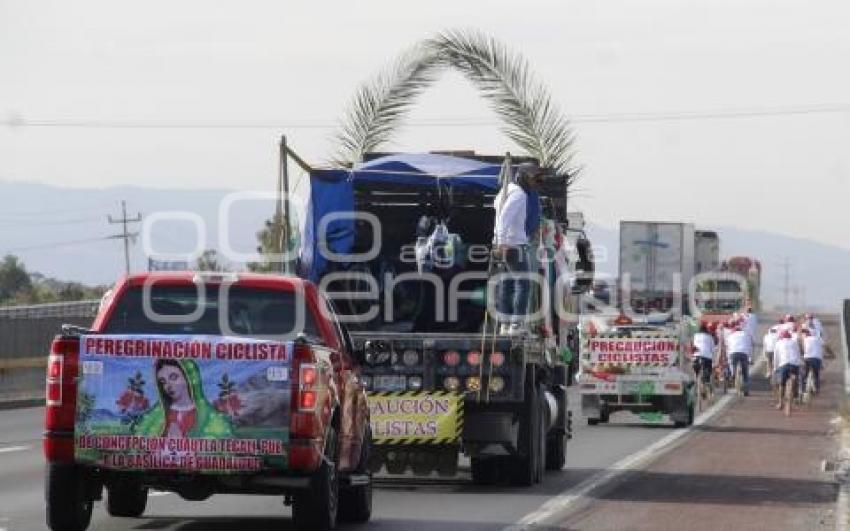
pixel 294 66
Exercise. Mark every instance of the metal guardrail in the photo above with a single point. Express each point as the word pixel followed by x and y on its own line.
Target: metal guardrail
pixel 86 308
pixel 26 331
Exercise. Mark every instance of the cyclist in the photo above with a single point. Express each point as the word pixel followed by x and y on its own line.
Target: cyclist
pixel 751 323
pixel 768 342
pixel 704 346
pixel 812 358
pixel 786 357
pixel 814 324
pixel 739 345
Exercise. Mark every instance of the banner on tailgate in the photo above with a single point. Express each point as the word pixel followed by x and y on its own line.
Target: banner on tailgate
pixel 650 352
pixel 195 403
pixel 415 418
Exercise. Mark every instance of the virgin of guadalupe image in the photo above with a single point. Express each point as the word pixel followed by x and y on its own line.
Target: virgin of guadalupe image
pixel 182 410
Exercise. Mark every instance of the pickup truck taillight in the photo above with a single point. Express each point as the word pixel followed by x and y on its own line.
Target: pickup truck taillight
pixel 53 393
pixel 60 392
pixel 305 423
pixel 307 387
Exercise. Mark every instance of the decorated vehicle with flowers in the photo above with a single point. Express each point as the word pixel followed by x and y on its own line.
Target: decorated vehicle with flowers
pixel 634 367
pixel 205 383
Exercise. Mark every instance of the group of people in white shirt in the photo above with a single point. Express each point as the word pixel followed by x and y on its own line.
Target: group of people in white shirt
pixel 791 347
pixel 738 338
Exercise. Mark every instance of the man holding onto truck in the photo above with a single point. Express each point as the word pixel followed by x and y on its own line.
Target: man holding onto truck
pixel 511 246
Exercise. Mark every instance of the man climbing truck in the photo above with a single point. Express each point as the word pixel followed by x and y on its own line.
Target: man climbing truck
pixel 403 246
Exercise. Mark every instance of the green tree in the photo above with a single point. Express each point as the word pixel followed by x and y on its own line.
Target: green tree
pixel 268 240
pixel 209 261
pixel 15 282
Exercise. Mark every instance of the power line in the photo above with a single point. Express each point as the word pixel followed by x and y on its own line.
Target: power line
pixel 29 223
pixel 619 117
pixel 58 244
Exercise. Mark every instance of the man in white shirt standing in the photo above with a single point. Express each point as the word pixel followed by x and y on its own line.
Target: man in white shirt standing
pixel 739 345
pixel 511 246
pixel 812 357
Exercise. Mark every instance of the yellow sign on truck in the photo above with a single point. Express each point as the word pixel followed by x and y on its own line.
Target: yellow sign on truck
pixel 416 417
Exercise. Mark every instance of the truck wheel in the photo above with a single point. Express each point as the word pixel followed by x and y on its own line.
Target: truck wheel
pixel 556 451
pixel 485 470
pixel 68 502
pixel 525 463
pixel 355 502
pixel 689 419
pixel 604 415
pixel 316 509
pixel 126 498
pixel 542 428
pixel 592 421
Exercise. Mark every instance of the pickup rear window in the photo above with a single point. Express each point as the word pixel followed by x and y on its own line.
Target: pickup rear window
pixel 246 311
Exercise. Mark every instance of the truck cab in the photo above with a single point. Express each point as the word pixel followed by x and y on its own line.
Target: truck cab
pixel 205 383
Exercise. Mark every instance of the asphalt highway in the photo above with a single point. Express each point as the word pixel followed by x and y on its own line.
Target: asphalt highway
pixel 454 504
pixel 397 505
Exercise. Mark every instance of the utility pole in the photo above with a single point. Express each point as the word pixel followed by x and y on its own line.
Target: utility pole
pixel 125 235
pixel 786 264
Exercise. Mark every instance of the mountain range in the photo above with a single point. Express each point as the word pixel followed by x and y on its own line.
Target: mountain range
pixel 66 233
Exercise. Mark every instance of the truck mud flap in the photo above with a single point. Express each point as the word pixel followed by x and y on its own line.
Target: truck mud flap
pixel 490 427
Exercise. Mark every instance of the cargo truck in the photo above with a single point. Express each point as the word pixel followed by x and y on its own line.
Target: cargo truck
pixel 442 381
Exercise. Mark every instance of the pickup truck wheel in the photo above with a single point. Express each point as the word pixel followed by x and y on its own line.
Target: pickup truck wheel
pixel 525 463
pixel 126 499
pixel 316 508
pixel 68 502
pixel 355 502
pixel 485 470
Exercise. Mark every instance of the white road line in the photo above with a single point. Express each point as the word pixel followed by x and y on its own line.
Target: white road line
pixel 555 508
pixel 10 449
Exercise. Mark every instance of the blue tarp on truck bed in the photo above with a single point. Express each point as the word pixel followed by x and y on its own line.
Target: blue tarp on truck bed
pixel 332 192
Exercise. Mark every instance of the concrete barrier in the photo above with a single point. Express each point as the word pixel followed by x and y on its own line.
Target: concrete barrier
pixel 25 336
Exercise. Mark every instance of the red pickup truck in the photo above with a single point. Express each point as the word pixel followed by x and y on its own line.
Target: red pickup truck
pixel 205 383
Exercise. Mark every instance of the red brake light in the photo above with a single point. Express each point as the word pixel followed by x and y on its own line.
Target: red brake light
pixel 497 358
pixel 53 392
pixel 473 357
pixel 451 358
pixel 308 375
pixel 308 400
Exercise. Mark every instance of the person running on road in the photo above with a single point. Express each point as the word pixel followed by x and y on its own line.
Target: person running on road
pixel 739 345
pixel 786 357
pixel 768 342
pixel 812 358
pixel 704 353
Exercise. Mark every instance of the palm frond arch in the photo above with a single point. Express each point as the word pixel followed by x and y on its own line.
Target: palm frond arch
pixel 528 115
